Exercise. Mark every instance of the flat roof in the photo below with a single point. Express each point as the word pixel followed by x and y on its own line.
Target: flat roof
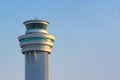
pixel 36 21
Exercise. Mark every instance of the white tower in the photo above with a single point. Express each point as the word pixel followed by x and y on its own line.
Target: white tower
pixel 36 44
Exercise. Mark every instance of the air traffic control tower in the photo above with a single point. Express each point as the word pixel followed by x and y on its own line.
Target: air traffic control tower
pixel 36 45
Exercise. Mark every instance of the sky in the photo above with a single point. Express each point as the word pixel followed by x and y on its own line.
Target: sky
pixel 87 45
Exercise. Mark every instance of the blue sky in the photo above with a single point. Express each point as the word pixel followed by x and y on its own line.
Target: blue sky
pixel 87 45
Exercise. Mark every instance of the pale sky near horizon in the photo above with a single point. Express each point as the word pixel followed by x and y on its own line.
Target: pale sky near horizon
pixel 87 45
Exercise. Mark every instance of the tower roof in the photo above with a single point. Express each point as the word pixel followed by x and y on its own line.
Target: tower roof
pixel 36 21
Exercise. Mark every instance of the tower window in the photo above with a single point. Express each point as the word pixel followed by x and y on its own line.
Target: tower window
pixel 35 39
pixel 36 26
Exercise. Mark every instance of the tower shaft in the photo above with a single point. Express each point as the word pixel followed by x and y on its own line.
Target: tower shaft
pixel 36 65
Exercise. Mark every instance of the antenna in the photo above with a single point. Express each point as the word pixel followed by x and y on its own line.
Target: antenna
pixel 36 18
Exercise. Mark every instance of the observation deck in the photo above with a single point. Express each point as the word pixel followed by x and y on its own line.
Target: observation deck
pixel 36 37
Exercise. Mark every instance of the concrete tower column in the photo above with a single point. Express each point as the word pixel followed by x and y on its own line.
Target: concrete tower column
pixel 36 45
